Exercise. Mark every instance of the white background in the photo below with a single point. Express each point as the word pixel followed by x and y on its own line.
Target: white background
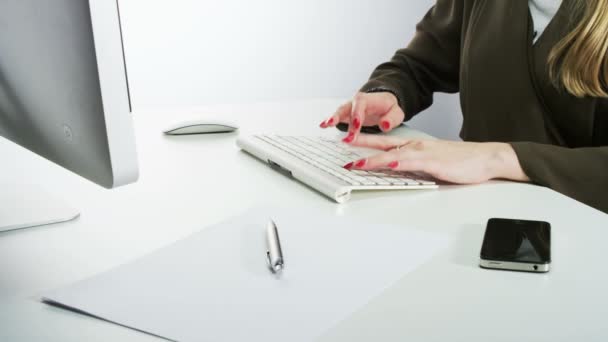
pixel 201 52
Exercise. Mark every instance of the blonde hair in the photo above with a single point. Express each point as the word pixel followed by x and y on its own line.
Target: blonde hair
pixel 579 62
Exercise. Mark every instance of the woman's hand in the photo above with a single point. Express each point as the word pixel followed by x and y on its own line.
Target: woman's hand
pixel 451 161
pixel 367 109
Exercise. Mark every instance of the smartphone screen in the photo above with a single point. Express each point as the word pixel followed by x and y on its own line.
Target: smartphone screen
pixel 517 241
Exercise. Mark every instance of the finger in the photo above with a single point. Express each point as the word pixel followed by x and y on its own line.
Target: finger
pixel 357 114
pixel 412 157
pixel 379 142
pixel 376 162
pixel 342 114
pixel 392 119
pixel 366 108
pixel 410 165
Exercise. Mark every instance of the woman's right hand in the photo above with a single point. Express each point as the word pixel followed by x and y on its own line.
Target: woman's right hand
pixel 367 109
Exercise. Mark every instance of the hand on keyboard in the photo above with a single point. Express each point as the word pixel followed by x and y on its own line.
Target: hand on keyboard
pixel 328 156
pixel 451 161
pixel 367 109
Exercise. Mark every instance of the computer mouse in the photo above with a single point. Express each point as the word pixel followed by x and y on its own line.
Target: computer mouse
pixel 201 127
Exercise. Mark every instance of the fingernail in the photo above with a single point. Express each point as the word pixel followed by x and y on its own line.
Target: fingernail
pixel 393 164
pixel 385 125
pixel 361 163
pixel 357 123
pixel 348 166
pixel 330 121
pixel 349 138
pixel 323 124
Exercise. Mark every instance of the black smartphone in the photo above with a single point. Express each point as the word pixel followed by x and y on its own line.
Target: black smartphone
pixel 516 245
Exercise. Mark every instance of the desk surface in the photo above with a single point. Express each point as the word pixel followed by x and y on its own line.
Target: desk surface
pixel 188 183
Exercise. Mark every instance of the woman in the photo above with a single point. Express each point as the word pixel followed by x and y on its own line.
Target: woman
pixel 534 98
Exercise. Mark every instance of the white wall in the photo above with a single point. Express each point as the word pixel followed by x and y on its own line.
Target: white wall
pixel 191 52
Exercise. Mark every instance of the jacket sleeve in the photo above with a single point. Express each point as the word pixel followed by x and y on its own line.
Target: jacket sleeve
pixel 430 63
pixel 581 173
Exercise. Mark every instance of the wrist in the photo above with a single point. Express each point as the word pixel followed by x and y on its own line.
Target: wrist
pixel 505 164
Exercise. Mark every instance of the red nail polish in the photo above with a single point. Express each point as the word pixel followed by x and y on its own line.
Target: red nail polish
pixel 348 166
pixel 357 123
pixel 323 124
pixel 349 138
pixel 361 163
pixel 386 125
pixel 393 164
pixel 331 121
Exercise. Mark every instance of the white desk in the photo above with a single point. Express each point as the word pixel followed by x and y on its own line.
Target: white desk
pixel 188 183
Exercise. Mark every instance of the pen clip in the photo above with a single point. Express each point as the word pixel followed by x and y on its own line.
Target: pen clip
pixel 268 260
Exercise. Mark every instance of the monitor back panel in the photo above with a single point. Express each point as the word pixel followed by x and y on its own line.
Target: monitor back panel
pixel 50 94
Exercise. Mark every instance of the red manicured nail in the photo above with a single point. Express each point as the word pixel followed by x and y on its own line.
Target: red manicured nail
pixel 349 138
pixel 348 166
pixel 393 164
pixel 331 121
pixel 361 163
pixel 357 123
pixel 323 124
pixel 385 125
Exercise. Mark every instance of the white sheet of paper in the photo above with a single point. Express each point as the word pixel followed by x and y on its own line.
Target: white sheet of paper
pixel 215 285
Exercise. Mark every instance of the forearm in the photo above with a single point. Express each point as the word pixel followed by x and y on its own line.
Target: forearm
pixel 430 62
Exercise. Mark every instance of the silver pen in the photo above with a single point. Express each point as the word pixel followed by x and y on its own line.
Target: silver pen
pixel 274 253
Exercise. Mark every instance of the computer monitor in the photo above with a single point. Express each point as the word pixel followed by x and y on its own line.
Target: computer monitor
pixel 64 91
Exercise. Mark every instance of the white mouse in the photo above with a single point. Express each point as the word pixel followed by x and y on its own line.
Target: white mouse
pixel 201 127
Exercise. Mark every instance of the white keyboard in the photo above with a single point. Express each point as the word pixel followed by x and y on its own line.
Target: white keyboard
pixel 330 156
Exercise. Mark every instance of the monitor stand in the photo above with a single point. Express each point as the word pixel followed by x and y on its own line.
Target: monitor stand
pixel 24 206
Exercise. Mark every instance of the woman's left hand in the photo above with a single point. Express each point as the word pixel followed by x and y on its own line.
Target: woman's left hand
pixel 451 161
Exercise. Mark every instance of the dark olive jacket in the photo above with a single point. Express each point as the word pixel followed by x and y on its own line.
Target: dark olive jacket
pixel 483 49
